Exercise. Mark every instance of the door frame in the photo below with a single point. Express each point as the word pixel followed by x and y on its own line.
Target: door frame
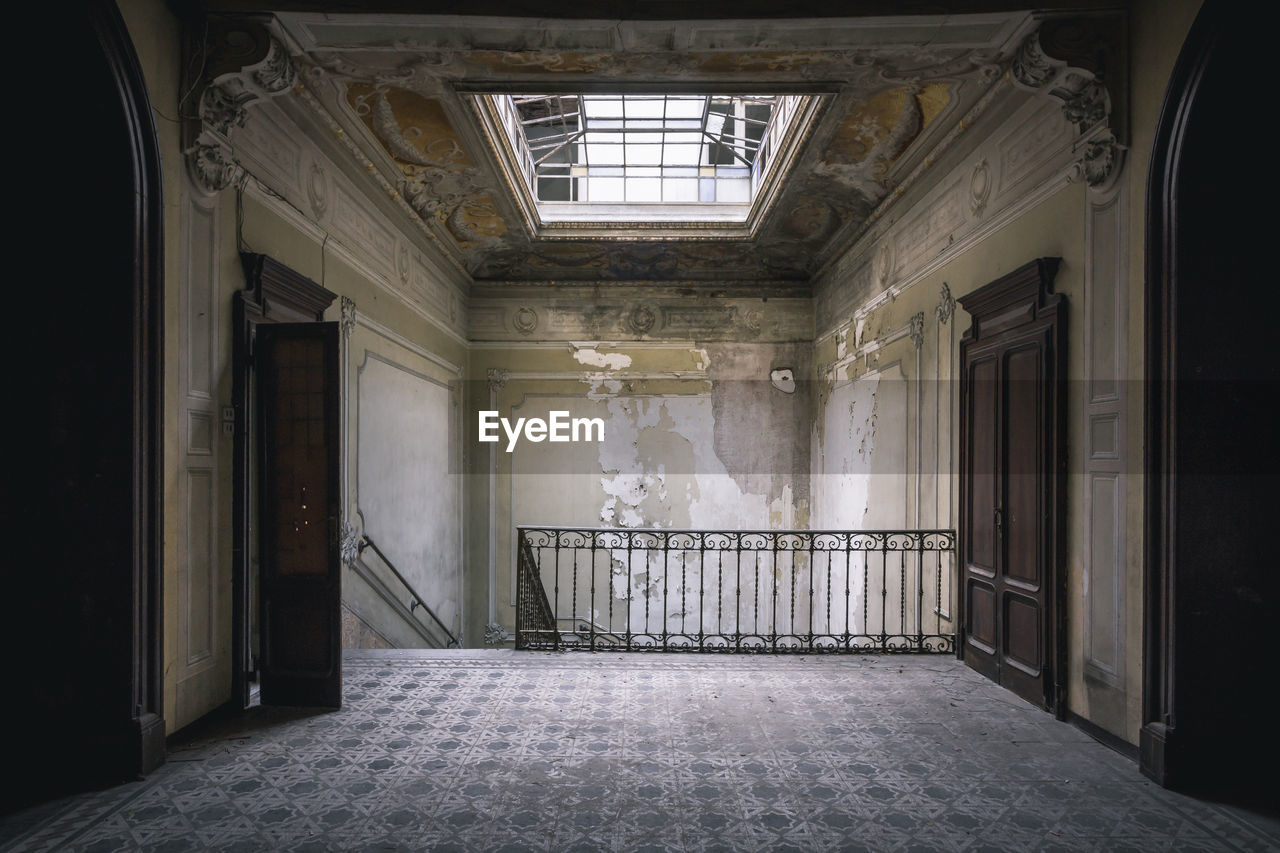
pixel 146 730
pixel 1023 296
pixel 273 293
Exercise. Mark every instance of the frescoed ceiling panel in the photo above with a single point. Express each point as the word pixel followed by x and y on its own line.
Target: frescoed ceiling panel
pixel 404 92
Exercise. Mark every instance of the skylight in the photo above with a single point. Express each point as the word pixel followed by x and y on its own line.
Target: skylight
pixel 645 157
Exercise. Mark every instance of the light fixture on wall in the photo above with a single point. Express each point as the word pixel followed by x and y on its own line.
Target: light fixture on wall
pixel 784 379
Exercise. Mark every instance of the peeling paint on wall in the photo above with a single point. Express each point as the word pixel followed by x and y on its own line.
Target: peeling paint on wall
pixel 592 358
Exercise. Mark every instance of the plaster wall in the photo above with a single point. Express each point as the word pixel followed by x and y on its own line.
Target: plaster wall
pixel 409 311
pixel 695 435
pixel 864 310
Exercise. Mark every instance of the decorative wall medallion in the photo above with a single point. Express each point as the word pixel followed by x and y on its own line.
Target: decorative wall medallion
pixel 347 323
pixel 495 634
pixel 212 167
pixel 1101 160
pixel 753 319
pixel 318 190
pixel 497 378
pixel 979 187
pixel 402 263
pixel 882 264
pixel 642 319
pixel 946 305
pixel 525 320
pixel 352 539
pixel 917 329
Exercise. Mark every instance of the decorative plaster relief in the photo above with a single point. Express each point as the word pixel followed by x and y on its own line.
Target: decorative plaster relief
pixel 347 323
pixel 946 305
pixel 525 320
pixel 1089 49
pixel 940 224
pixel 979 187
pixel 242 64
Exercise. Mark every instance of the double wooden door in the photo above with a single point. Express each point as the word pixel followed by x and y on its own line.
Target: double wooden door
pixel 1011 477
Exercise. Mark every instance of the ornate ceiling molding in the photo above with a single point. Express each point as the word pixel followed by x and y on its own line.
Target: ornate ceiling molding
pixel 240 64
pixel 1080 62
pixel 402 89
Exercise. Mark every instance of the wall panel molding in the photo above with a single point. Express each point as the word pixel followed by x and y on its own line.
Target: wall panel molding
pixel 315 195
pixel 1103 421
pixel 1027 159
pixel 201 645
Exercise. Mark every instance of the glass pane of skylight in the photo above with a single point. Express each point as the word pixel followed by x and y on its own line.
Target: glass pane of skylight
pixel 604 155
pixel 680 189
pixel 685 107
pixel 602 107
pixel 644 107
pixel 733 189
pixel 644 189
pixel 604 189
pixel 682 154
pixel 644 149
pixel 644 155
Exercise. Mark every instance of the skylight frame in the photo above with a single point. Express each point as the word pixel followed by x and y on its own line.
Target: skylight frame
pixel 784 129
pixel 643 149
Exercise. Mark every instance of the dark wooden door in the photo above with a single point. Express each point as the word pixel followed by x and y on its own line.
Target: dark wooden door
pixel 1011 467
pixel 300 514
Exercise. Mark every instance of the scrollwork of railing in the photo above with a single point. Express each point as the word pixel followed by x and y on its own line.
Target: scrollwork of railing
pixel 735 591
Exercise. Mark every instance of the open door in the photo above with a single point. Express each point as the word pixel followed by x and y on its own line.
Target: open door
pixel 300 514
pixel 1011 479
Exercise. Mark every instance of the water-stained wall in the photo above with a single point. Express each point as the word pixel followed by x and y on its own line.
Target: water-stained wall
pixel 696 435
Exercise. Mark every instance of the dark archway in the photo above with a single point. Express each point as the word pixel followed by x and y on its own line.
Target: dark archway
pixel 1211 453
pixel 88 568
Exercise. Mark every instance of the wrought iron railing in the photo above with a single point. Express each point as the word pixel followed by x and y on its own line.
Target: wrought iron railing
pixel 415 601
pixel 734 591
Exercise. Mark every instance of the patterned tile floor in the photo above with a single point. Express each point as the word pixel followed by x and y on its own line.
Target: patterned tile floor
pixel 538 751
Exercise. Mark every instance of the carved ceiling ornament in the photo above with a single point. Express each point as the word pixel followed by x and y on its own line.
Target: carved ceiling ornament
pixel 979 187
pixel 882 264
pixel 642 319
pixel 242 63
pixel 1079 62
pixel 525 320
pixel 822 208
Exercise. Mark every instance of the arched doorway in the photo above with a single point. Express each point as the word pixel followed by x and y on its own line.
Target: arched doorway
pixel 1211 456
pixel 88 570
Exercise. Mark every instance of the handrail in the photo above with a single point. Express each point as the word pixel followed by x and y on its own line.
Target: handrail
pixel 735 590
pixel 417 599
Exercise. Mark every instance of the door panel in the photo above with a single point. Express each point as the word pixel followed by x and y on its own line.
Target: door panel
pixel 300 513
pixel 978 517
pixel 982 616
pixel 1022 633
pixel 982 450
pixel 1010 483
pixel 1022 457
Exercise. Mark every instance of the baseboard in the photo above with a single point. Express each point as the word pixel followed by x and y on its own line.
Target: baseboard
pixel 1104 737
pixel 151 743
pixel 1154 743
